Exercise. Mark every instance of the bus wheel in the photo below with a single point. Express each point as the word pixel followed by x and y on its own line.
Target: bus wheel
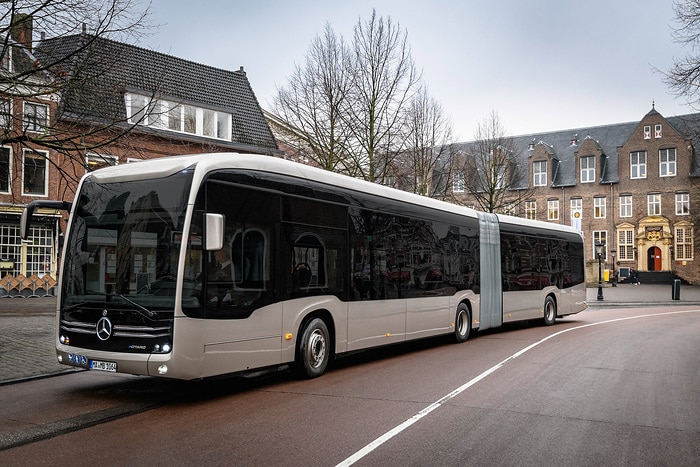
pixel 550 311
pixel 314 349
pixel 463 323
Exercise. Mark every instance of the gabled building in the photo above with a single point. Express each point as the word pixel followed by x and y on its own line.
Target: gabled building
pixel 632 186
pixel 119 104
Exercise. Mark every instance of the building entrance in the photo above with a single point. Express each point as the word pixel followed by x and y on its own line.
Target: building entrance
pixel 654 259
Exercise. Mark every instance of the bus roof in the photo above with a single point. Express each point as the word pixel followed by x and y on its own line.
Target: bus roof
pixel 205 163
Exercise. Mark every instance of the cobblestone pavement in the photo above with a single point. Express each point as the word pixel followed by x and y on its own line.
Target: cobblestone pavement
pixel 27 325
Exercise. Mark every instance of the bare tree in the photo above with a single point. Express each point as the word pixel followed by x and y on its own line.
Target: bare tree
pixel 490 167
pixel 311 104
pixel 40 79
pixel 383 79
pixel 684 76
pixel 428 133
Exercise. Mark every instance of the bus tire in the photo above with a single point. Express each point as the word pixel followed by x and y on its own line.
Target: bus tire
pixel 463 323
pixel 550 311
pixel 313 351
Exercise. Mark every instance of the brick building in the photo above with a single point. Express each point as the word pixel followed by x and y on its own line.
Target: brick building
pixel 144 104
pixel 632 186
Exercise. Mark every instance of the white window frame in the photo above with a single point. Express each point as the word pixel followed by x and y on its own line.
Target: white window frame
pixel 667 162
pixel 647 131
pixel 682 204
pixel 602 236
pixel 553 210
pixel 539 173
pixel 638 168
pixel 38 155
pixel 531 210
pixel 587 169
pixel 684 243
pixel 654 204
pixel 658 131
pixel 6 115
pixel 162 114
pixel 34 125
pixel 625 205
pixel 599 207
pixel 9 169
pixel 625 244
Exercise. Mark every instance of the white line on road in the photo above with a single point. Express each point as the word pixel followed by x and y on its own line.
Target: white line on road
pixel 414 419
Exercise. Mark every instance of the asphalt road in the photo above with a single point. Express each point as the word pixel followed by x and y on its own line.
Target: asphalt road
pixel 610 386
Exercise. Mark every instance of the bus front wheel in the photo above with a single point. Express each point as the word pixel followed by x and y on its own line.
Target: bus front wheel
pixel 313 350
pixel 463 323
pixel 550 311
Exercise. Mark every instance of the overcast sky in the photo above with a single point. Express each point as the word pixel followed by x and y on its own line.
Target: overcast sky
pixel 541 65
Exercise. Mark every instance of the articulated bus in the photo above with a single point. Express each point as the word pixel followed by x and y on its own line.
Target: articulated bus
pixel 190 267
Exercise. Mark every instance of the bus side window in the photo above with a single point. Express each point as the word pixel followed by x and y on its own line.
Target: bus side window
pixel 248 257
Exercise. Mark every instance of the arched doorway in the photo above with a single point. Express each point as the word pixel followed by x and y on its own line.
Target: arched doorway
pixel 654 259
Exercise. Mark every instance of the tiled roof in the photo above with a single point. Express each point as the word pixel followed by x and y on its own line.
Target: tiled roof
pixel 114 68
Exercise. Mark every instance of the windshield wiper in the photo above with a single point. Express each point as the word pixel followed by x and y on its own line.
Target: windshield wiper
pixel 142 310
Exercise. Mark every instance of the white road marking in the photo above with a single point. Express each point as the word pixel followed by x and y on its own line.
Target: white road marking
pixel 418 416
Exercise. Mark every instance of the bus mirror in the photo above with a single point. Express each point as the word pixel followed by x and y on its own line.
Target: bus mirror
pixel 26 219
pixel 214 224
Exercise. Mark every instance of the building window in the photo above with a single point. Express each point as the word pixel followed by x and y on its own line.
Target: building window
pixel 36 116
pixel 40 251
pixel 657 131
pixel 667 162
pixel 647 131
pixel 539 171
pixel 638 164
pixel 588 169
pixel 6 114
pixel 625 205
pixel 682 204
pixel 684 243
pixel 553 210
pixel 34 174
pixel 5 169
pixel 183 118
pixel 11 247
pixel 531 210
pixel 625 244
pixel 458 183
pixel 98 161
pixel 602 237
pixel 654 204
pixel 599 208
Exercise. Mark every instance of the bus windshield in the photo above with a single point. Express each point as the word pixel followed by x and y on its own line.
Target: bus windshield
pixel 124 242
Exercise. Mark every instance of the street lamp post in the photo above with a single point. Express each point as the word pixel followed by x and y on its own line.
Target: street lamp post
pixel 599 253
pixel 614 278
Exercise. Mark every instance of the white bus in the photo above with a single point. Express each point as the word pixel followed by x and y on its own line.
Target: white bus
pixel 190 267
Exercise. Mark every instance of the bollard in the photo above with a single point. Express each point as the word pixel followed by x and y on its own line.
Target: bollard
pixel 676 290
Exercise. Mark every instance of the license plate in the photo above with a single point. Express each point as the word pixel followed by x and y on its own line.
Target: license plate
pixel 103 366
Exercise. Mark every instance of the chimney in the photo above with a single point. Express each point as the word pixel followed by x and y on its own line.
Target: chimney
pixel 21 30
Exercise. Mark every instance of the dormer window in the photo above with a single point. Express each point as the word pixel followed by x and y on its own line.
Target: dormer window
pixel 173 116
pixel 587 169
pixel 539 173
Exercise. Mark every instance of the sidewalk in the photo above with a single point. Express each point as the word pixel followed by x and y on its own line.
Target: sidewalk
pixel 27 325
pixel 628 295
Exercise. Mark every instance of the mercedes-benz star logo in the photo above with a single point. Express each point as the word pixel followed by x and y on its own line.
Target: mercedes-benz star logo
pixel 104 329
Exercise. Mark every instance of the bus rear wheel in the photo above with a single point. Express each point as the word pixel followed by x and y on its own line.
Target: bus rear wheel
pixel 550 311
pixel 313 352
pixel 463 323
